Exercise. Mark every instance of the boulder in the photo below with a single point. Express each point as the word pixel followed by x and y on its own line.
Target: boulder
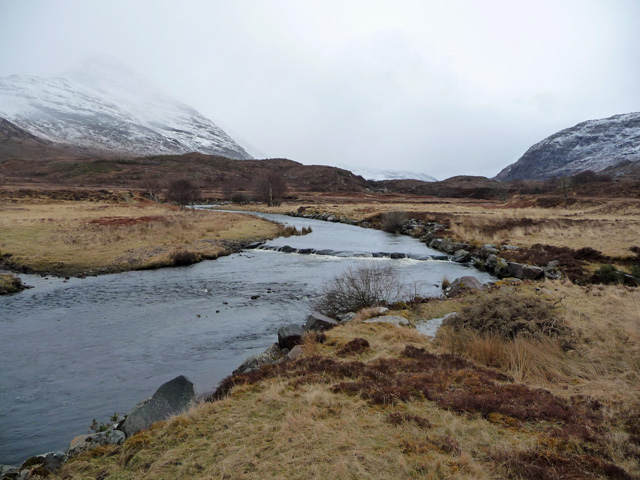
pixel 389 319
pixel 7 469
pixel 552 273
pixel 295 353
pixel 319 323
pixel 377 311
pixel 346 317
pixel 259 360
pixel 93 440
pixel 489 248
pixel 51 461
pixel 461 256
pixel 435 243
pixel 451 247
pixel 290 335
pixel 172 398
pixel 497 266
pixel 462 284
pixel 524 271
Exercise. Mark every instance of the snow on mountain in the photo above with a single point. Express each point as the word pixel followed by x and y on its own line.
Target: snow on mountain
pixel 102 104
pixel 383 174
pixel 591 145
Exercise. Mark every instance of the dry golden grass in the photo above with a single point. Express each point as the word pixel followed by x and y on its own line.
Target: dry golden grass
pixel 277 427
pixel 603 361
pixel 71 238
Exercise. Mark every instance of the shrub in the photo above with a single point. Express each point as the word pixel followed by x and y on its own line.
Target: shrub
pixel 181 258
pixel 240 198
pixel 508 315
pixel 392 221
pixel 608 274
pixel 357 288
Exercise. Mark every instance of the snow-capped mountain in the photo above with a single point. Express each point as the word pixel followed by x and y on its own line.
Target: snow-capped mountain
pixel 591 145
pixel 381 174
pixel 102 104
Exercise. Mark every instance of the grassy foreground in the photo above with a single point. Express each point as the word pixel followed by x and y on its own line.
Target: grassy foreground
pixel 383 402
pixel 90 237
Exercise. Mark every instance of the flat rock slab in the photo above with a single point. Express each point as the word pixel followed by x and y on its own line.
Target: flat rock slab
pixel 172 398
pixel 389 319
pixel 295 353
pixel 319 322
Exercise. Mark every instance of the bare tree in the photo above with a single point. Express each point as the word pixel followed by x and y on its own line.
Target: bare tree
pixel 271 188
pixel 153 187
pixel 183 192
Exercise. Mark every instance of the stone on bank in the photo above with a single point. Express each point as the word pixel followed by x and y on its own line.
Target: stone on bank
pixel 172 398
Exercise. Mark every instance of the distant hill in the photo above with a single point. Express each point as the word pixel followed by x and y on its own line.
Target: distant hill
pixel 103 105
pixel 389 174
pixel 592 145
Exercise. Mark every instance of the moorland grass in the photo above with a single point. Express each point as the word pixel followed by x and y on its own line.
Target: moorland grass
pixel 379 401
pixel 74 238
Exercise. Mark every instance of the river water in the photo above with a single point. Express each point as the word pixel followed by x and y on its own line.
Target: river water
pixel 75 350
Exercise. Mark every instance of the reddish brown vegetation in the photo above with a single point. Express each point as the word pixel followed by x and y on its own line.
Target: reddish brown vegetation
pixel 125 221
pixel 355 346
pixel 548 465
pixel 397 418
pixel 448 380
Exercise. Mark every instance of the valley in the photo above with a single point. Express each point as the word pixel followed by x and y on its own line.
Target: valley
pixel 465 328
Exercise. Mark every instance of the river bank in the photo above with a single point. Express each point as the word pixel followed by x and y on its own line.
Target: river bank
pixel 93 237
pixel 373 400
pixel 554 237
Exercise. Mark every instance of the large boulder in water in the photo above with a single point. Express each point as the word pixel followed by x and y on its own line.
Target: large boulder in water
pixel 172 398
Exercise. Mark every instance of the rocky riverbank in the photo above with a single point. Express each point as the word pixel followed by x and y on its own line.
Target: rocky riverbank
pixel 486 258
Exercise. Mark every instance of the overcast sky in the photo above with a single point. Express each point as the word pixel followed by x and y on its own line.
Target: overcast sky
pixel 440 87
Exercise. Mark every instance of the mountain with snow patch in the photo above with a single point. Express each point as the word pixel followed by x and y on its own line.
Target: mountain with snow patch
pixel 385 174
pixel 103 105
pixel 591 145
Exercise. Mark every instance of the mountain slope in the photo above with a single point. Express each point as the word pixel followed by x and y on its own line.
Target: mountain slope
pixel 104 105
pixel 591 145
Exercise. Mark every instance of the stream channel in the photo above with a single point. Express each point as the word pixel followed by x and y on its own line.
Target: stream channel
pixel 75 350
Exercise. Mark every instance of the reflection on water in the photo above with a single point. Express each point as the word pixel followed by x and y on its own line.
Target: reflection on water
pixel 81 349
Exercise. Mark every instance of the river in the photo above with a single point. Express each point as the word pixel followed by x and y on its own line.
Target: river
pixel 80 349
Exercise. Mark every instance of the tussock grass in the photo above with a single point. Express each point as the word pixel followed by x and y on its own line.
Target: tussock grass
pixel 72 238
